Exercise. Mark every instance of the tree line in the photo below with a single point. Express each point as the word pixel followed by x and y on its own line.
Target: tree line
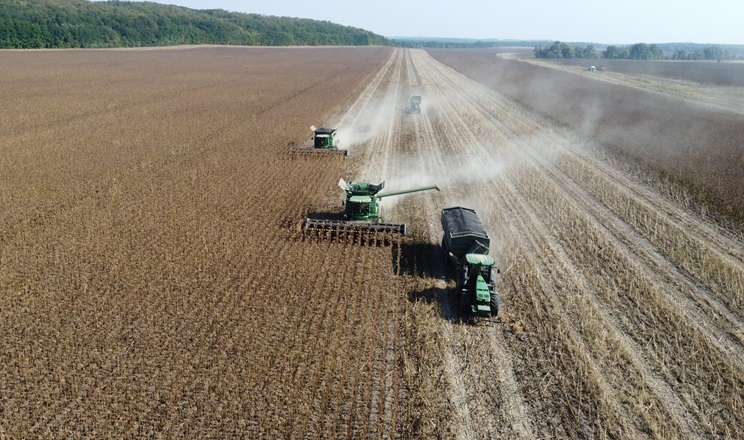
pixel 638 51
pixel 114 23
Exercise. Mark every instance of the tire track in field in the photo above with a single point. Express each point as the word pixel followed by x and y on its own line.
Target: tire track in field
pixel 560 258
pixel 661 270
pixel 703 305
pixel 484 390
pixel 486 356
pixel 457 392
pixel 465 135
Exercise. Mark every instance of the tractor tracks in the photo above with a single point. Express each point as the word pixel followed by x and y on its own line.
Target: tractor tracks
pixel 599 306
pixel 482 375
pixel 680 286
pixel 489 125
pixel 455 365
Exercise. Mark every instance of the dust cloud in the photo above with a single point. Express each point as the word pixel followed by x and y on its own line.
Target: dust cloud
pixel 366 126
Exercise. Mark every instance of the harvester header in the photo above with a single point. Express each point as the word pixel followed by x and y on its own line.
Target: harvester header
pixel 323 141
pixel 363 211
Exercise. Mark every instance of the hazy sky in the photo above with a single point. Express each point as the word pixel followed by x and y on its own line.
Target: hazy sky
pixel 622 22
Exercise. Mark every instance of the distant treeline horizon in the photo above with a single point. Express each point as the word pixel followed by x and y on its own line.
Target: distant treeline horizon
pixel 29 24
pixel 642 51
pixel 559 49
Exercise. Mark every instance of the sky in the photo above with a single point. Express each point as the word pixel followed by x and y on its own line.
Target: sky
pixel 622 23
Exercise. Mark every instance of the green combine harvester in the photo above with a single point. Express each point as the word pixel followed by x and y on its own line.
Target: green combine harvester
pixel 323 141
pixel 363 211
pixel 465 245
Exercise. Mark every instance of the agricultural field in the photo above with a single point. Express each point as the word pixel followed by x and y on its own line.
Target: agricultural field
pixel 687 131
pixel 155 280
pixel 726 73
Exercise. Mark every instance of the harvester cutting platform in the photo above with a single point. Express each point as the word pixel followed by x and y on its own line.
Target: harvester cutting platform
pixel 323 141
pixel 363 211
pixel 465 245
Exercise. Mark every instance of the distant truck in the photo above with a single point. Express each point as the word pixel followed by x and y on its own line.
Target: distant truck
pixel 416 104
pixel 465 245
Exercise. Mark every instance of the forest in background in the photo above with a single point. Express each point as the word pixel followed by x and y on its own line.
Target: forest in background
pixel 642 51
pixel 29 24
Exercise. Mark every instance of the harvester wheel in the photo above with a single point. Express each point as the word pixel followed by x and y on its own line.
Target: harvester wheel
pixel 494 304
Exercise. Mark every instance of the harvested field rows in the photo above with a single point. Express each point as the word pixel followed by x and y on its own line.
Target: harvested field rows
pixel 161 289
pixel 612 318
pixel 155 280
pixel 690 138
pixel 722 92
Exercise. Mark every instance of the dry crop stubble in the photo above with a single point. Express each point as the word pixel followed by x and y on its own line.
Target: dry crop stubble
pixel 654 399
pixel 721 271
pixel 168 291
pixel 182 327
pixel 474 386
pixel 691 145
pixel 464 128
pixel 710 342
pixel 621 281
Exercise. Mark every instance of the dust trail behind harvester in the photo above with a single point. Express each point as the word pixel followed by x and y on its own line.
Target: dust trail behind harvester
pixel 368 125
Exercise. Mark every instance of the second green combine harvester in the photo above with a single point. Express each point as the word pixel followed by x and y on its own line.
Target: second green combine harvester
pixel 363 211
pixel 323 141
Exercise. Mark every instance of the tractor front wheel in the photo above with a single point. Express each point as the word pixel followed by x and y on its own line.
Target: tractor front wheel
pixel 494 303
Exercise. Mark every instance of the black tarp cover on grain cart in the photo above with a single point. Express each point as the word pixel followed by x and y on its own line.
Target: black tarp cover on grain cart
pixel 462 230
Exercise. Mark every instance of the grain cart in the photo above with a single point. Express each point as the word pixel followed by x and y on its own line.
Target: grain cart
pixel 363 211
pixel 416 104
pixel 465 245
pixel 322 141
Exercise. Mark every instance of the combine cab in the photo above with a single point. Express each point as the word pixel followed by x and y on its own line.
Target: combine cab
pixel 363 211
pixel 323 141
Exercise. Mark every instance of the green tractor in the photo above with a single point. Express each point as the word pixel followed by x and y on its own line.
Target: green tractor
pixel 465 245
pixel 323 141
pixel 476 285
pixel 362 209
